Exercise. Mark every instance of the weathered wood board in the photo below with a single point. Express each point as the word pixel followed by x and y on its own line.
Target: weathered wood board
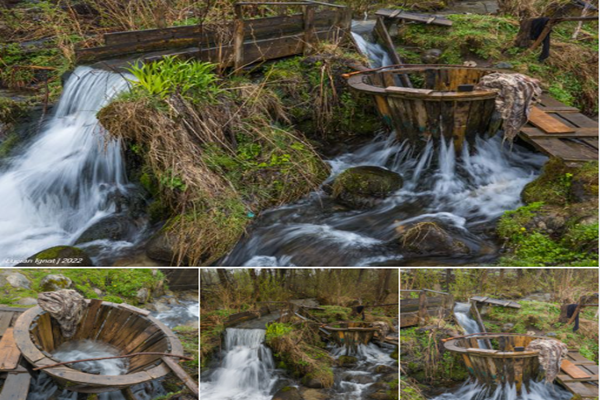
pixel 573 371
pixel 413 17
pixel 496 302
pixel 16 386
pixel 586 388
pixel 9 352
pixel 547 122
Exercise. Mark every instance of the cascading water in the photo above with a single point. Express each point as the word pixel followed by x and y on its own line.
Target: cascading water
pixel 464 195
pixel 68 177
pixel 461 312
pixel 536 391
pixel 180 314
pixel 246 372
pixel 355 383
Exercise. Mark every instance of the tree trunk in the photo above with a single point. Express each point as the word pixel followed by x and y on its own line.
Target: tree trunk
pixel 224 278
pixel 523 37
pixel 384 284
pixel 255 284
pixel 361 273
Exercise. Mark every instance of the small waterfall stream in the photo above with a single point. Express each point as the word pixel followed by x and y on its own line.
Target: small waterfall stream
pixel 461 312
pixel 246 371
pixel 68 177
pixel 464 195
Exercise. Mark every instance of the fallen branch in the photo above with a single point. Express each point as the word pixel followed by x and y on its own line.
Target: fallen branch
pixel 110 358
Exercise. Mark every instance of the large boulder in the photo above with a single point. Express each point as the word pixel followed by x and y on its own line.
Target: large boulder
pixel 429 238
pixel 162 247
pixel 59 256
pixel 315 394
pixel 54 282
pixel 363 187
pixel 113 227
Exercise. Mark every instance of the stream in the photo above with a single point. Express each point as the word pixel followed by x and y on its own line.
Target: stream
pixel 247 370
pixel 465 195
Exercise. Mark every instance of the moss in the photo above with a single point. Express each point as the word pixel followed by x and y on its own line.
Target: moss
pixel 113 299
pixel 551 187
pixel 10 142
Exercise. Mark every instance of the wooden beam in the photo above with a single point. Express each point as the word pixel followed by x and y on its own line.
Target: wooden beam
pixel 238 39
pixel 181 374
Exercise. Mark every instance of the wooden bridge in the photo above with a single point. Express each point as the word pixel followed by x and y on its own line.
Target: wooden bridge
pixel 16 376
pixel 558 130
pixel 579 375
pixel 235 44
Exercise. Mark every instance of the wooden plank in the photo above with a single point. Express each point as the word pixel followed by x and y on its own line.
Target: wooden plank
pixel 565 151
pixel 580 120
pixel 547 122
pixel 9 352
pixel 5 321
pixel 581 389
pixel 567 378
pixel 16 387
pixel 534 132
pixel 181 374
pixel 590 369
pixel 13 309
pixel 573 371
pixel 576 358
pixel 423 18
pixel 591 142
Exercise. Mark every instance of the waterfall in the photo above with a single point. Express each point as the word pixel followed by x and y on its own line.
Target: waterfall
pixel 246 370
pixel 378 57
pixel 65 179
pixel 461 312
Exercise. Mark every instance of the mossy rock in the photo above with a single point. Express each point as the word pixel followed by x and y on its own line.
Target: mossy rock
pixel 346 361
pixel 53 282
pixel 429 238
pixel 560 184
pixel 59 256
pixel 288 393
pixel 365 186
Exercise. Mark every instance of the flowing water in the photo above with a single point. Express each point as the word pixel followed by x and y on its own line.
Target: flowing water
pixel 69 176
pixel 44 388
pixel 461 312
pixel 536 391
pixel 246 371
pixel 180 314
pixel 464 195
pixel 356 382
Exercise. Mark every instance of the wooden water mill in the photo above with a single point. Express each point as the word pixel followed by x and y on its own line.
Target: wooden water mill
pixel 351 334
pixel 501 364
pixel 437 107
pixel 127 328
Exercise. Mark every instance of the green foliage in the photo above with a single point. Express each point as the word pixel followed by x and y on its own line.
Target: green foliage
pixel 192 79
pixel 276 330
pixel 512 224
pixel 113 299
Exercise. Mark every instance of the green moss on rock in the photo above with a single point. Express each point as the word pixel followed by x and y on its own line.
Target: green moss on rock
pixel 63 256
pixel 361 187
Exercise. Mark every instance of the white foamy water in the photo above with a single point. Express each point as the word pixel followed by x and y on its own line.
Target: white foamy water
pixel 64 180
pixel 536 391
pixel 84 349
pixel 180 314
pixel 376 54
pixel 246 370
pixel 462 314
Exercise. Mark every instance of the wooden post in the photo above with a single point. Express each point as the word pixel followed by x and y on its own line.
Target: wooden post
pixel 309 28
pixel 386 41
pixel 343 24
pixel 423 314
pixel 238 39
pixel 480 322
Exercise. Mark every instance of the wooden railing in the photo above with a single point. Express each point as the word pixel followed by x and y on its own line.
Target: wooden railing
pixel 417 311
pixel 234 44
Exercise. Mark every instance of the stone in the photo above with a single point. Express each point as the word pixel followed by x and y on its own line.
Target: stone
pixel 380 395
pixel 503 65
pixel 312 383
pixel 315 394
pixel 362 379
pixel 365 186
pixel 53 282
pixel 288 393
pixel 346 361
pixel 113 227
pixel 98 292
pixel 551 334
pixel 383 369
pixel 18 281
pixel 142 295
pixel 431 56
pixel 27 301
pixel 507 327
pixel 59 256
pixel 162 248
pixel 429 238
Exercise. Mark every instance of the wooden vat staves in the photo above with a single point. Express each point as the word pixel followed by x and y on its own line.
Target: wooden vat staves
pixel 351 334
pixel 436 109
pixel 125 327
pixel 500 365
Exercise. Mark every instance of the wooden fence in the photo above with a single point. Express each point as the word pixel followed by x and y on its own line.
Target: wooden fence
pixel 238 43
pixel 417 311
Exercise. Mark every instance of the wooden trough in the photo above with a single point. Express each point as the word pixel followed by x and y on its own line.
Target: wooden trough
pixel 127 328
pixel 500 365
pixel 351 334
pixel 435 109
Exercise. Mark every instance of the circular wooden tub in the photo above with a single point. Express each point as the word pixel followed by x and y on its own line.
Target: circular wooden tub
pixel 434 108
pixel 351 334
pixel 501 364
pixel 125 327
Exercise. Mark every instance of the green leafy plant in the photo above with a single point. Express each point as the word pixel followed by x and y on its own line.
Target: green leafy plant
pixel 192 79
